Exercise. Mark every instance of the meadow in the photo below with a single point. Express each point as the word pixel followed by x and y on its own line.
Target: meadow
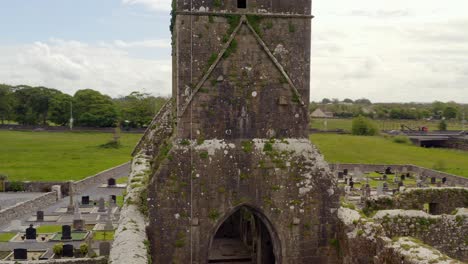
pixel 59 156
pixel 345 124
pixel 381 150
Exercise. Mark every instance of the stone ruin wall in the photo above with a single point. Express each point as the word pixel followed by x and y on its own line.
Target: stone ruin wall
pixel 379 240
pixel 446 200
pixel 290 185
pixel 447 233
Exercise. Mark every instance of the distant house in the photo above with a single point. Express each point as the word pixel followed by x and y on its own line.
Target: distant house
pixel 319 113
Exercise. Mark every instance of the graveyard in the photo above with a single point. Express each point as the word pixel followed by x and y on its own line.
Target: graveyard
pixel 227 170
pixel 75 225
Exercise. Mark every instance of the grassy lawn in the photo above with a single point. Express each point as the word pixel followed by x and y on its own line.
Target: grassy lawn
pixel 379 150
pixel 122 180
pixel 54 156
pixel 333 124
pixel 5 237
pixel 47 229
pixel 104 235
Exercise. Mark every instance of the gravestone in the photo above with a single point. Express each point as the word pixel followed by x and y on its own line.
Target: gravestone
pixel 357 173
pixel 101 205
pixel 396 179
pixel 388 170
pixel 385 187
pixel 58 190
pixel 433 180
pixel 351 183
pixel 85 200
pixel 111 182
pixel 66 232
pixel 346 180
pixel 78 221
pixel 113 199
pixel 444 180
pixel 345 172
pixel 40 216
pixel 340 175
pixel 31 232
pixel 384 177
pixel 402 177
pixel 104 249
pixel 20 253
pixel 380 190
pixel 68 251
pixel 404 170
pixel 400 184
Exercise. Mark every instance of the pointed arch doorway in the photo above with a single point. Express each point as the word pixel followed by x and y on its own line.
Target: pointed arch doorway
pixel 245 236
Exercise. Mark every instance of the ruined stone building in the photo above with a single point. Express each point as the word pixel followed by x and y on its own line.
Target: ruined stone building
pixel 236 178
pixel 226 173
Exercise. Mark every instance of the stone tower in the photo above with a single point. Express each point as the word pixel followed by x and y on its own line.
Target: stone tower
pixel 237 179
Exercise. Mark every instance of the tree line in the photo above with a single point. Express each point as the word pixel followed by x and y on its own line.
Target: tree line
pixel 410 111
pixel 28 105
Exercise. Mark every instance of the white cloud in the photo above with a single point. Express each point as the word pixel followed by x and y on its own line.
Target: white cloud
pixel 155 5
pixel 155 43
pixel 390 50
pixel 71 65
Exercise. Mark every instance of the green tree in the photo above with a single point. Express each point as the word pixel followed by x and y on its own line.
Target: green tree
pixel 59 109
pixel 32 104
pixel 7 103
pixel 362 126
pixel 92 109
pixel 443 125
pixel 138 109
pixel 450 112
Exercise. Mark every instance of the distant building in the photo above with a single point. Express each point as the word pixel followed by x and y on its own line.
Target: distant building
pixel 319 113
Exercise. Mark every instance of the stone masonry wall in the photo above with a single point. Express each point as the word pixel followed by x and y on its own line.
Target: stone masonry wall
pixel 286 182
pixel 28 207
pixel 446 233
pixel 443 200
pixel 363 240
pixel 461 144
pixel 101 177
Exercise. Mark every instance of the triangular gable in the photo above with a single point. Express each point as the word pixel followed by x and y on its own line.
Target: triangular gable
pixel 224 50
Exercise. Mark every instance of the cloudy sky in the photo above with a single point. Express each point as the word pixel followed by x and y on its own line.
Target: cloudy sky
pixel 387 51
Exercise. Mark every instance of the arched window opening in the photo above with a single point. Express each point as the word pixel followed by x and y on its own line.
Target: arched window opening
pixel 242 238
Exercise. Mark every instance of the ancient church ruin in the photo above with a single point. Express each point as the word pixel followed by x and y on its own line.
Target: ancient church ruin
pixel 236 178
pixel 226 172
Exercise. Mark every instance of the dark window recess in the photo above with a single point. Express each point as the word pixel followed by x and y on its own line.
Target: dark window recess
pixel 241 3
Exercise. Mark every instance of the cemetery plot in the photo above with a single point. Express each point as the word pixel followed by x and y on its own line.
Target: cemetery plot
pixel 4 254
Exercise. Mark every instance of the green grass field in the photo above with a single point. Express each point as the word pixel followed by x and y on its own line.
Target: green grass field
pixel 345 124
pixel 5 237
pixel 379 150
pixel 54 156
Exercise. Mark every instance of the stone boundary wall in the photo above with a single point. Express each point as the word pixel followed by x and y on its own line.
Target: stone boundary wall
pixel 99 260
pixel 430 229
pixel 28 207
pixel 30 186
pixel 429 173
pixel 361 240
pixel 457 143
pixel 101 177
pixel 130 244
